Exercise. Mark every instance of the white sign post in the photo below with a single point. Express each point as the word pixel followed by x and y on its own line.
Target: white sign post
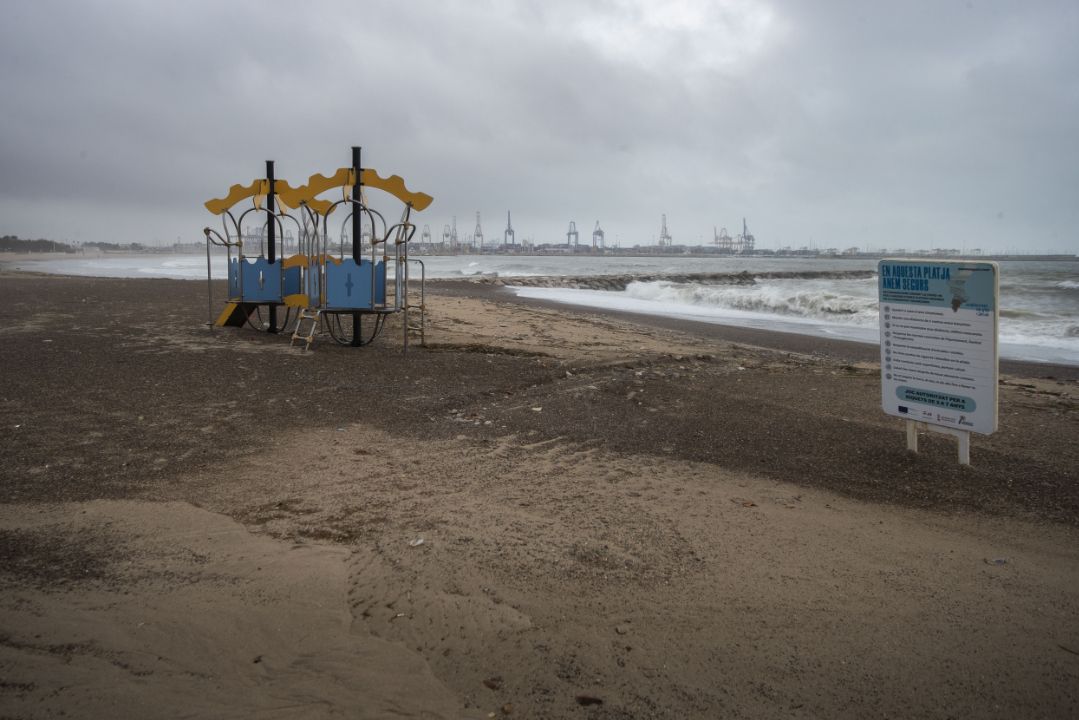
pixel 938 346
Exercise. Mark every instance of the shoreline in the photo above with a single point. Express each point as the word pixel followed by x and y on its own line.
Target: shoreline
pixel 804 343
pixel 833 348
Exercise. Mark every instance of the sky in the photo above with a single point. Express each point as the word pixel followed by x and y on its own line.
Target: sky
pixel 877 125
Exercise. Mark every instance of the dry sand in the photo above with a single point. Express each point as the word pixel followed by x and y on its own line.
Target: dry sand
pixel 618 520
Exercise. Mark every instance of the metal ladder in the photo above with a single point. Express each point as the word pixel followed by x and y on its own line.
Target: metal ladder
pixel 315 316
pixel 409 321
pixel 411 328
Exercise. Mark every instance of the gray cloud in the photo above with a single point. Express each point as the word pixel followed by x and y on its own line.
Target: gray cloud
pixel 841 124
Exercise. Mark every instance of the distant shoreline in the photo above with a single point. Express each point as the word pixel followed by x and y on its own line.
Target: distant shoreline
pixel 6 256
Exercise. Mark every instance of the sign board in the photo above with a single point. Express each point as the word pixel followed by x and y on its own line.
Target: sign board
pixel 938 342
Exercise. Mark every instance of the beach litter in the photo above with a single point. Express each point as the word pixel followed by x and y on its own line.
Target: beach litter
pixel 996 561
pixel 416 543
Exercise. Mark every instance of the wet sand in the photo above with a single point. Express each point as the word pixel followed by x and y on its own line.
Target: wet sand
pixel 620 517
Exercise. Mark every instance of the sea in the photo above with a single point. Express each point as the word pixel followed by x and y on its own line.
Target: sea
pixel 1039 300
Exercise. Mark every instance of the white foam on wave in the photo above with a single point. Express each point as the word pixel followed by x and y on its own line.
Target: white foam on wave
pixel 822 312
pixel 847 302
pixel 185 268
pixel 710 313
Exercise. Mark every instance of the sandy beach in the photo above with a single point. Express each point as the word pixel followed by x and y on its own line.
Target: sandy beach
pixel 544 513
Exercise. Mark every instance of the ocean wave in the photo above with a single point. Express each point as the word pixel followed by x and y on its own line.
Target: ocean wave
pixel 1056 334
pixel 1068 284
pixel 1034 346
pixel 471 273
pixel 619 282
pixel 843 307
pixel 478 271
pixel 807 300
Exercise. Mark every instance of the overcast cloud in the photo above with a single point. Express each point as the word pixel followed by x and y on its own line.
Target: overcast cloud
pixel 882 125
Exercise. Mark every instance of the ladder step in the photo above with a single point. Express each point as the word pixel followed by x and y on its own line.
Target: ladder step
pixel 306 314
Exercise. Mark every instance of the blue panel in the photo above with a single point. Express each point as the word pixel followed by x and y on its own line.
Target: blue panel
pixel 348 285
pixel 234 279
pixel 380 282
pixel 292 280
pixel 261 280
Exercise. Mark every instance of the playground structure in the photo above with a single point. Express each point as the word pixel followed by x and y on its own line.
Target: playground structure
pixel 315 288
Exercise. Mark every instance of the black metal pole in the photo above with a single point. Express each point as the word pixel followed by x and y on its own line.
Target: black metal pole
pixel 271 238
pixel 357 236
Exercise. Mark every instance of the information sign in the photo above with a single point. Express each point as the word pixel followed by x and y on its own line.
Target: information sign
pixel 938 342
